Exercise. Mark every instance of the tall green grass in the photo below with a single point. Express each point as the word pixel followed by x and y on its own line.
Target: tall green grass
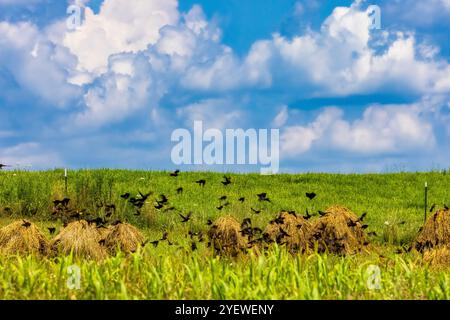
pixel 175 272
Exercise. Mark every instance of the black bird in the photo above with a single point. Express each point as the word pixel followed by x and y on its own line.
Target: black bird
pixel 180 190
pixel 220 207
pixel 65 202
pixel 432 207
pixel 51 230
pixel 209 222
pixel 155 243
pixel 227 181
pixel 193 246
pixel 185 218
pixel 242 199
pixel 175 173
pixel 159 206
pixel 223 198
pixel 363 216
pixel 144 197
pixel 351 223
pixel 310 195
pixel 247 222
pixel 364 226
pixel 279 220
pixel 372 234
pixel 445 207
pixel 102 242
pixel 263 197
pixel 163 200
pixel 3 166
pixel 26 224
pixel 201 182
pixel 321 213
pixel 138 213
pixel 165 236
pixel 125 196
pixel 256 211
pixel 308 216
pixel 170 209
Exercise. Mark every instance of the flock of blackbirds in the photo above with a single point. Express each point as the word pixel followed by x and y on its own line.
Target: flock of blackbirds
pixel 61 210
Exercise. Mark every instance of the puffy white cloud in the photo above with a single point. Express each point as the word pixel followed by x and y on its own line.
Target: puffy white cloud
pixel 118 28
pixel 35 63
pixel 381 130
pixel 126 89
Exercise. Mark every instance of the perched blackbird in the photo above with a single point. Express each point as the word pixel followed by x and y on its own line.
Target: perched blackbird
pixel 185 218
pixel 26 224
pixel 51 230
pixel 180 190
pixel 227 181
pixel 201 182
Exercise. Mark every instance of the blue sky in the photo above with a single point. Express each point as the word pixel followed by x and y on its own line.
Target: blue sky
pixel 346 98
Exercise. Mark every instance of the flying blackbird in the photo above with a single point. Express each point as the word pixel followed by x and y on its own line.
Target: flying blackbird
pixel 363 216
pixel 242 199
pixel 3 166
pixel 175 173
pixel 159 206
pixel 364 226
pixel 223 198
pixel 201 182
pixel 310 195
pixel 180 190
pixel 256 211
pixel 432 207
pixel 163 200
pixel 321 213
pixel 227 181
pixel 263 197
pixel 144 197
pixel 125 196
pixel 308 216
pixel 51 230
pixel 185 218
pixel 155 243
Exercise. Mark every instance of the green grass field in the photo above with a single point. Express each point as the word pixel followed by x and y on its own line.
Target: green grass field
pixel 175 272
